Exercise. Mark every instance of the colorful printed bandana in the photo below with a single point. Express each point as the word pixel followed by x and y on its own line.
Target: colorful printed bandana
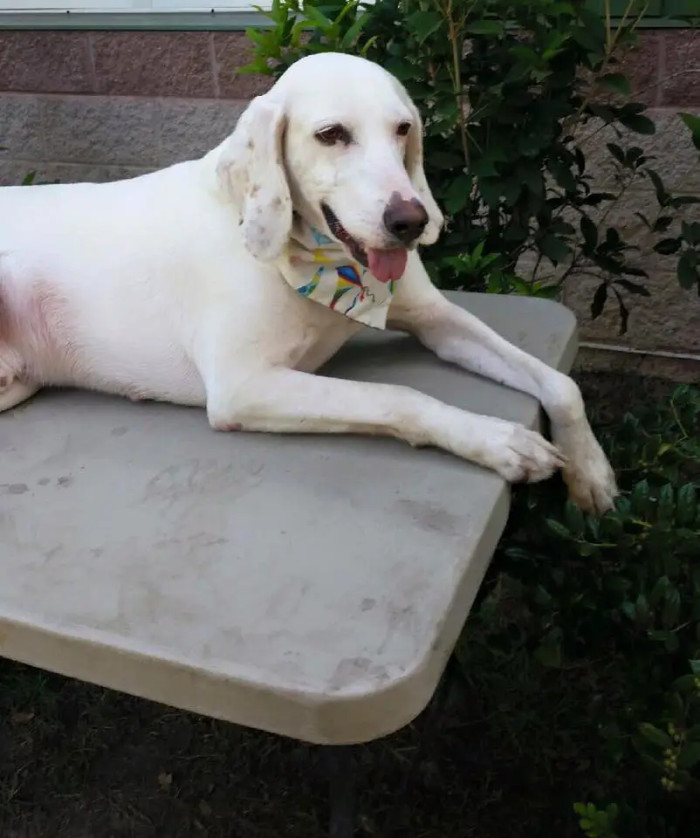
pixel 319 269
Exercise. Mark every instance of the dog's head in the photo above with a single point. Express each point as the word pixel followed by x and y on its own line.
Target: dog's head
pixel 339 141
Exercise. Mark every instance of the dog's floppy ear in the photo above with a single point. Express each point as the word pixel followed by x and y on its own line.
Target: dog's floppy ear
pixel 251 168
pixel 414 167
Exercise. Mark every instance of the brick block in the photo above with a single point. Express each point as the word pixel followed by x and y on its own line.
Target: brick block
pixel 21 133
pixel 106 130
pixel 676 159
pixel 232 50
pixel 191 128
pixel 681 68
pixel 642 67
pixel 668 320
pixel 12 172
pixel 153 63
pixel 49 62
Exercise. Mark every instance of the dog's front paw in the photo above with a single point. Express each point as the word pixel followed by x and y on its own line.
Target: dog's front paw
pixel 525 456
pixel 587 473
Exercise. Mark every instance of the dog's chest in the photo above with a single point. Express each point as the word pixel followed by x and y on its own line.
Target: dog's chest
pixel 315 338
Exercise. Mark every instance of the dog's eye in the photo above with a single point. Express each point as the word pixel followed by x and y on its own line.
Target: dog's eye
pixel 403 129
pixel 334 134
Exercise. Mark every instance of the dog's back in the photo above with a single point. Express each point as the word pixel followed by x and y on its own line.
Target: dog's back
pixel 84 270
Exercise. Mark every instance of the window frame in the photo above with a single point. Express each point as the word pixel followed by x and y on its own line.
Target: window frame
pixel 238 19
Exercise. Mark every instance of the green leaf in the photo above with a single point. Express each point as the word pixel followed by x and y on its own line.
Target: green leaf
pixel 511 191
pixel 603 112
pixel 667 246
pixel 563 175
pixel 666 504
pixel 483 167
pixel 641 609
pixel 639 124
pixel 671 642
pixel 684 200
pixel 591 35
pixel 553 248
pixel 672 608
pixel 662 223
pixel 590 234
pixel 695 666
pixel 532 178
pixel 353 33
pixel 655 736
pixel 684 684
pixel 423 24
pixel 628 610
pixel 457 196
pixel 617 83
pixel 658 591
pixel 599 300
pixel 446 159
pixel 405 72
pixel 549 654
pixel 623 311
pixel 687 271
pixel 662 195
pixel 491 191
pixel 640 499
pixel 686 505
pixel 633 287
pixel 632 271
pixel 693 122
pixel 676 707
pixel 486 27
pixel 690 231
pixel 616 152
pixel 318 19
pixel 558 529
pixel 689 755
pixel 574 519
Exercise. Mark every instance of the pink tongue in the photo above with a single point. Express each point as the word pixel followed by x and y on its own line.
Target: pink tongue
pixel 386 265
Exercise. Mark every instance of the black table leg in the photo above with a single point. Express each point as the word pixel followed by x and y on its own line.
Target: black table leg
pixel 341 770
pixel 435 711
pixel 341 763
pixel 429 725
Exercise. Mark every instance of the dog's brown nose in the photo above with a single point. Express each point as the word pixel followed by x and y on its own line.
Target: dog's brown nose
pixel 405 220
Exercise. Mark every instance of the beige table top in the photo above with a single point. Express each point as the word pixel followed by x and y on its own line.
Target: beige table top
pixel 310 586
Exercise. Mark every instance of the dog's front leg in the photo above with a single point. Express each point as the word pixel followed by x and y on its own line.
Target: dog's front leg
pixel 459 337
pixel 280 400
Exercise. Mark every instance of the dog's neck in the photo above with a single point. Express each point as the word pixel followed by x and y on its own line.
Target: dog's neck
pixel 318 268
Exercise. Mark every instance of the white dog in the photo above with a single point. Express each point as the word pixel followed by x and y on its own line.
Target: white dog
pixel 227 281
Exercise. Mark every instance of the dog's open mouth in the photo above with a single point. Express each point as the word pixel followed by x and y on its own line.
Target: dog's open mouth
pixel 385 265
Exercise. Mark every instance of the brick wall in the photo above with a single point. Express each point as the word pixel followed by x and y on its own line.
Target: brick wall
pixel 665 73
pixel 103 105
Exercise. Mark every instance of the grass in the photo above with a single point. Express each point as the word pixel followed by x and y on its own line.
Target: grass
pixel 512 754
pixel 81 762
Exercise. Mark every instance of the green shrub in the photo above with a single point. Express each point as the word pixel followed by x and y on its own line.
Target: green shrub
pixel 513 95
pixel 611 608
